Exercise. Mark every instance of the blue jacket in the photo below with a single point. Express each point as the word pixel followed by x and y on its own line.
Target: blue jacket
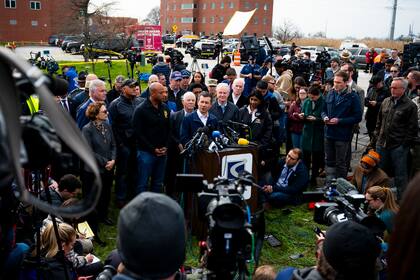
pixel 346 107
pixel 250 83
pixel 163 68
pixel 192 123
pixel 81 118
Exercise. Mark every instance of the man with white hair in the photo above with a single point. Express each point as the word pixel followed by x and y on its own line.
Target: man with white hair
pixel 223 109
pixel 152 79
pixel 236 97
pixel 97 92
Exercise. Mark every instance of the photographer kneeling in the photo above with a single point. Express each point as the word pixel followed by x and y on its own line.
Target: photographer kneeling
pixel 382 203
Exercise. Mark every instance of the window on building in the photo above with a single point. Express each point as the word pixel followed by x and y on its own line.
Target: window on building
pixel 203 20
pixel 35 5
pixel 255 20
pixel 264 21
pixel 187 20
pixel 257 5
pixel 246 5
pixel 174 7
pixel 213 6
pixel 265 7
pixel 34 23
pixel 222 5
pixel 11 4
pixel 174 20
pixel 204 6
pixel 211 19
pixel 167 20
pixel 188 6
pixel 221 19
pixel 231 5
pixel 12 22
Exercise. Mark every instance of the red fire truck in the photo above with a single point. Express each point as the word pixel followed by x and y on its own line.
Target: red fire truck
pixel 149 38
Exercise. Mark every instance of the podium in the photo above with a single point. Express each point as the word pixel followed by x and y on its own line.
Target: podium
pixel 227 163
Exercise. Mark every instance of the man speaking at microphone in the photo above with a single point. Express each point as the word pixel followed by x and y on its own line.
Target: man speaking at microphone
pixel 198 119
pixel 290 182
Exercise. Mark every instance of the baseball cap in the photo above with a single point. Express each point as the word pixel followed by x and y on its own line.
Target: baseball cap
pixel 211 82
pixel 130 83
pixel 176 75
pixel 151 236
pixel 185 73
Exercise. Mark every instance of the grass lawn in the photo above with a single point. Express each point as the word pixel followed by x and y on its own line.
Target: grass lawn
pixel 101 69
pixel 294 231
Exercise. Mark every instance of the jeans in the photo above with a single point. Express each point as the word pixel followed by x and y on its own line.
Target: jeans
pixel 296 140
pixel 395 161
pixel 150 166
pixel 336 158
pixel 12 265
pixel 125 173
pixel 279 199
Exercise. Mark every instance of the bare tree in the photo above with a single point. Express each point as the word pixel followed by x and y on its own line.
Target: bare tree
pixel 91 17
pixel 286 32
pixel 153 17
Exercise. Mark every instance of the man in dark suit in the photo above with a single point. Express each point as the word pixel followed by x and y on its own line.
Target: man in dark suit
pixel 97 92
pixel 223 109
pixel 236 97
pixel 200 118
pixel 175 146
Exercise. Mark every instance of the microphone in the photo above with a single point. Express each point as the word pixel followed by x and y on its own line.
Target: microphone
pixel 243 142
pixel 216 135
pixel 238 124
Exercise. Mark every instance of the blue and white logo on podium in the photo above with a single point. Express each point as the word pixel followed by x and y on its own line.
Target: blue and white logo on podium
pixel 234 165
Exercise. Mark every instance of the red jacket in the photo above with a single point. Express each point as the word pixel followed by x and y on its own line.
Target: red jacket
pixel 296 123
pixel 370 56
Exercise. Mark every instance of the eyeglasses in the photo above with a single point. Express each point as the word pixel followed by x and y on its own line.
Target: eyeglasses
pixel 394 71
pixel 292 158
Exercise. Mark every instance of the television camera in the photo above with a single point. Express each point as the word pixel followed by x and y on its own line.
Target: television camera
pixel 230 244
pixel 344 203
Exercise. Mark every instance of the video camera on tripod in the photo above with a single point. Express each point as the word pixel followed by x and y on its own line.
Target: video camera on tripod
pixel 230 242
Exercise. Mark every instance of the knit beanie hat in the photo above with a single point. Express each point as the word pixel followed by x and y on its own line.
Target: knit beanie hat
pixel 372 158
pixel 351 249
pixel 151 236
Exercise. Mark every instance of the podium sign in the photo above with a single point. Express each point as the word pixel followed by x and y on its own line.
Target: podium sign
pixel 234 165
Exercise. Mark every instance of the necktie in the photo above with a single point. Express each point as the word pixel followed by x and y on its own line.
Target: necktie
pixel 223 108
pixel 64 104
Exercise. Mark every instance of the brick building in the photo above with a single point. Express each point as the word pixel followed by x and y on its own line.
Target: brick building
pixel 27 20
pixel 208 17
pixel 35 21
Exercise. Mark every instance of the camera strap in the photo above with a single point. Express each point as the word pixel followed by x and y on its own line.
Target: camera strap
pixel 64 125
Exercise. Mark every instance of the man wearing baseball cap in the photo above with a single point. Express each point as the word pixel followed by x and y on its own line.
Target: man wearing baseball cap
pixel 175 91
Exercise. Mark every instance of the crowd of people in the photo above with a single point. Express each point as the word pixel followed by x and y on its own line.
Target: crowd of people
pixel 138 139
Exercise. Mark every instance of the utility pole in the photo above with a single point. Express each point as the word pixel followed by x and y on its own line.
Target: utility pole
pixel 394 14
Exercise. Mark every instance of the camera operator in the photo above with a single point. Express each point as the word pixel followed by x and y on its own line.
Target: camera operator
pixel 348 251
pixel 162 67
pixel 151 238
pixel 381 202
pixel 219 71
pixel 291 180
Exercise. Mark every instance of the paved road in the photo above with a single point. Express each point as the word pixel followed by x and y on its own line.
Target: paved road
pixel 57 53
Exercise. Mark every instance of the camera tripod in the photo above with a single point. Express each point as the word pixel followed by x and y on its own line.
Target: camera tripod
pixel 194 66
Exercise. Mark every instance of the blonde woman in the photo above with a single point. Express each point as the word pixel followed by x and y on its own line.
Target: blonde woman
pixel 382 203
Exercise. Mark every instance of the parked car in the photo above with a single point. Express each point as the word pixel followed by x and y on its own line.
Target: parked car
pixel 187 40
pixel 67 39
pixel 52 38
pixel 204 49
pixel 73 46
pixel 59 39
pixel 314 50
pixel 347 44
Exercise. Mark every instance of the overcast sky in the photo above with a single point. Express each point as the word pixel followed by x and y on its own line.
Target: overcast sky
pixel 338 18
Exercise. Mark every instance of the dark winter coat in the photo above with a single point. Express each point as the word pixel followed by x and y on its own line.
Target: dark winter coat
pixel 313 131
